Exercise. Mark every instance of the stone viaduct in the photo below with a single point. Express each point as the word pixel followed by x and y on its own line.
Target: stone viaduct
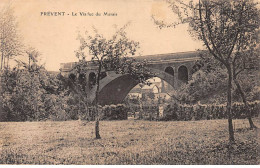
pixel 174 68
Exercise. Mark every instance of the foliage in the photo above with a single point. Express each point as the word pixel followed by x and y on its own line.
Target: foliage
pixel 107 52
pixel 203 86
pixel 23 94
pixel 184 112
pixel 30 92
pixel 208 85
pixel 146 112
pixel 114 112
pixel 111 54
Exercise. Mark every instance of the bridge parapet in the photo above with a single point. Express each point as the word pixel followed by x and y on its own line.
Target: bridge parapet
pixel 179 57
pixel 67 67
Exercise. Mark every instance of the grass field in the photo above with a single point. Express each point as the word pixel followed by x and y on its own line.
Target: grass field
pixel 128 142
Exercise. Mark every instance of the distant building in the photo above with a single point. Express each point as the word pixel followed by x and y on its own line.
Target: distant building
pixel 136 92
pixel 158 87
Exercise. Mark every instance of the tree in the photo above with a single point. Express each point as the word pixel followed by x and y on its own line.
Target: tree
pixel 227 29
pixel 28 92
pixel 33 57
pixel 206 87
pixel 107 54
pixel 22 90
pixel 10 42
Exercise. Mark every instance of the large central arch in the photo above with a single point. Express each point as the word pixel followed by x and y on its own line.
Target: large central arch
pixel 115 87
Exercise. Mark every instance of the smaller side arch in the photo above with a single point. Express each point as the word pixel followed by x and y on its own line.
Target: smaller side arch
pixel 82 77
pixel 82 81
pixel 72 77
pixel 183 74
pixel 103 75
pixel 169 70
pixel 92 79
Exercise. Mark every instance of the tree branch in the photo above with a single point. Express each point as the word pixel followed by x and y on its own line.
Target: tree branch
pixel 237 33
pixel 210 33
pixel 204 38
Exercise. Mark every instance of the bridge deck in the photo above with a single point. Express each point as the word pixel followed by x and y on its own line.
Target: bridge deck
pixel 169 56
pixel 152 59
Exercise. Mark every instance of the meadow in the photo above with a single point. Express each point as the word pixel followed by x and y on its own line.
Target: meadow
pixel 128 142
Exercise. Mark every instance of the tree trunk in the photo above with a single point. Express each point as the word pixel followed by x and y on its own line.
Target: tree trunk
pixel 229 104
pixel 141 110
pixel 242 94
pixel 29 67
pixel 2 60
pixel 97 129
pixel 96 104
pixel 7 62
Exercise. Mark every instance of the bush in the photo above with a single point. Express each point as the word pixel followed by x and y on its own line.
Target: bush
pixel 208 112
pixel 114 112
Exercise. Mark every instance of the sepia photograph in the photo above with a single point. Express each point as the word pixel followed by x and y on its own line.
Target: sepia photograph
pixel 129 82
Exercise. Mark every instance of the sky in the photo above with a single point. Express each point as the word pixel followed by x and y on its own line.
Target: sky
pixel 55 36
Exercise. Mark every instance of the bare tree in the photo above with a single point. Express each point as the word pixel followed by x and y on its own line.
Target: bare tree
pixel 107 54
pixel 10 41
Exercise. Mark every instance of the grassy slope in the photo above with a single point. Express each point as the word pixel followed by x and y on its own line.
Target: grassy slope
pixel 128 142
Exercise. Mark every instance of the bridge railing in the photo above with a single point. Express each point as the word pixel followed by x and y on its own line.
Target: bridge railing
pixel 69 66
